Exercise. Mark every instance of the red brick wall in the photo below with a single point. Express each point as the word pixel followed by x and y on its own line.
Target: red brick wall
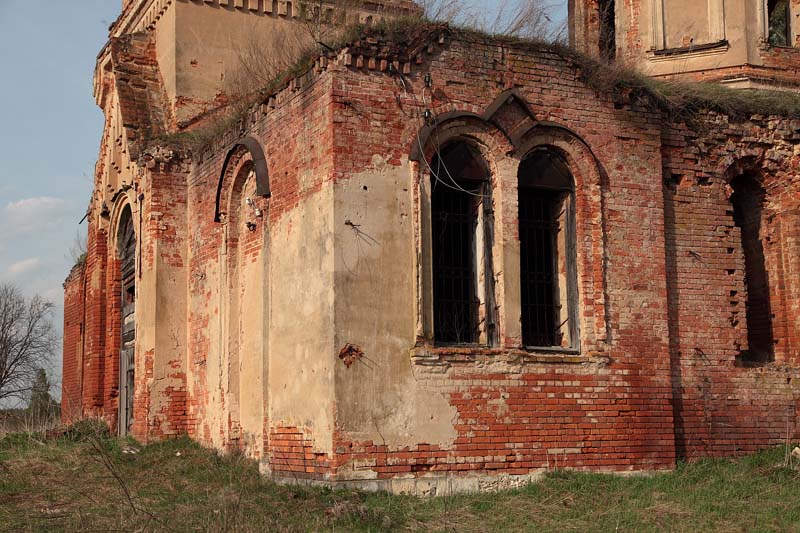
pixel 722 406
pixel 72 365
pixel 166 215
pixel 615 414
pixel 672 386
pixel 95 330
pixel 113 282
pixel 661 278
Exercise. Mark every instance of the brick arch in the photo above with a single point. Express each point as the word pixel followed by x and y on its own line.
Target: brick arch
pixel 120 202
pixel 250 148
pixel 235 181
pixel 581 160
pixel 756 161
pixel 751 162
pixel 121 293
pixel 509 114
pixel 590 185
pixel 492 145
pixel 488 139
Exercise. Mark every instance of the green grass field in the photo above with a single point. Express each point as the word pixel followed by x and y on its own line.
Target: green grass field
pixel 90 484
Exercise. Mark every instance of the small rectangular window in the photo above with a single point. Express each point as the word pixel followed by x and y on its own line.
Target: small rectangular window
pixel 608 34
pixel 778 19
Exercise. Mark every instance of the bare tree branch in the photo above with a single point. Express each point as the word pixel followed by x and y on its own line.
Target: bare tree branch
pixel 27 341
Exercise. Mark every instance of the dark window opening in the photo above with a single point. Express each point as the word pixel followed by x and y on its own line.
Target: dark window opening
pixel 127 260
pixel 459 178
pixel 748 200
pixel 608 33
pixel 778 18
pixel 547 252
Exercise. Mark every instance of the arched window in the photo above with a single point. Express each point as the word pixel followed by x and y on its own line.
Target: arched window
pixel 126 252
pixel 461 244
pixel 748 203
pixel 548 287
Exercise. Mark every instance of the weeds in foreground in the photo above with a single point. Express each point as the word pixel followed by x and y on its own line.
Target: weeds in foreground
pixel 91 481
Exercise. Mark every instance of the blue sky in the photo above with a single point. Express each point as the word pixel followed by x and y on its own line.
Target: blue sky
pixel 49 136
pixel 50 132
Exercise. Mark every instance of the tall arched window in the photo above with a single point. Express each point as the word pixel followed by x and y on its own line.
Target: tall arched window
pixel 126 252
pixel 461 247
pixel 548 287
pixel 748 206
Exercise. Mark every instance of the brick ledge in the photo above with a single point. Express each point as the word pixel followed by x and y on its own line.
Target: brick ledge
pixel 426 355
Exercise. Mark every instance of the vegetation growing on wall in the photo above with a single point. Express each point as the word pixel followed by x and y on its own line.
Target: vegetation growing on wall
pixel 268 73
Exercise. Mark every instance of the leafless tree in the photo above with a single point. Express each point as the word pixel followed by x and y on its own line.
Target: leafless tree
pixel 27 341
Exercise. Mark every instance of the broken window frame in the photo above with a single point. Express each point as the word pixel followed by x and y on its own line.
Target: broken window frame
pixel 563 291
pixel 473 193
pixel 773 37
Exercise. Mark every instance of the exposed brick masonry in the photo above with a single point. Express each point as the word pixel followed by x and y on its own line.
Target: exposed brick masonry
pixel 662 372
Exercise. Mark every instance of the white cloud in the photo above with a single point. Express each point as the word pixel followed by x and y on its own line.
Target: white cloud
pixel 38 202
pixel 33 211
pixel 34 216
pixel 26 265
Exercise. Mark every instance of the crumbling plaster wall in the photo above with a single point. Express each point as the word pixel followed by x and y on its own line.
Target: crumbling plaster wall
pixel 212 52
pixel 162 299
pixel 151 185
pixel 293 238
pixel 344 382
pixel 410 409
pixel 214 47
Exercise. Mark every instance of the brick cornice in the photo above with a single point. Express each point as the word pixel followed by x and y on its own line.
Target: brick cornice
pixel 139 16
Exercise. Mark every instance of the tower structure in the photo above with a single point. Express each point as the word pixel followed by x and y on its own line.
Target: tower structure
pixel 746 44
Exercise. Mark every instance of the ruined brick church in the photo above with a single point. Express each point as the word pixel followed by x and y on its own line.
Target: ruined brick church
pixel 434 260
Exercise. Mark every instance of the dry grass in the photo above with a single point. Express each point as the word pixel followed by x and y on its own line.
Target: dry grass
pixel 92 482
pixel 25 421
pixel 261 73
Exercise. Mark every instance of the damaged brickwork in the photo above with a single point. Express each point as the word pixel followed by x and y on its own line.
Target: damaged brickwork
pixel 284 276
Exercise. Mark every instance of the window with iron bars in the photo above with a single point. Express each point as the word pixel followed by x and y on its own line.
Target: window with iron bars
pixel 548 286
pixel 461 231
